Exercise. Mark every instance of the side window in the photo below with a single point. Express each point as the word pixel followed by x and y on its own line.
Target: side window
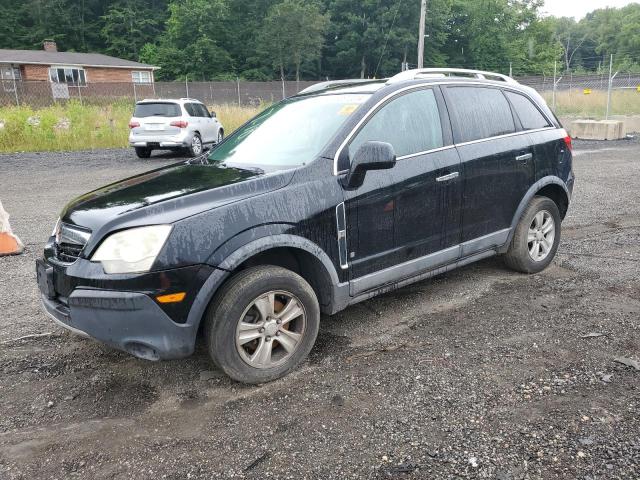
pixel 190 108
pixel 201 110
pixel 527 112
pixel 480 112
pixel 411 123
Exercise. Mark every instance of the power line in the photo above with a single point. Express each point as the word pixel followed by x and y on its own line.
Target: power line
pixel 384 47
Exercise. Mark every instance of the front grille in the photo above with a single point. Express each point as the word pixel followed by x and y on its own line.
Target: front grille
pixel 69 242
pixel 67 252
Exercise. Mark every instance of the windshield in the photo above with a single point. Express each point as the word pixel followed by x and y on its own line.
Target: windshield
pixel 290 133
pixel 158 109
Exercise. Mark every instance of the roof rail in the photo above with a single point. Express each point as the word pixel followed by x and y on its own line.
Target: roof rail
pixel 448 72
pixel 333 83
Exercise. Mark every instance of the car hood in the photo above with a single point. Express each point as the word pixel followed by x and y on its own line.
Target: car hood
pixel 169 194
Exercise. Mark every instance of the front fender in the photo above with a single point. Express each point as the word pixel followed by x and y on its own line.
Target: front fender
pixel 251 242
pixel 247 244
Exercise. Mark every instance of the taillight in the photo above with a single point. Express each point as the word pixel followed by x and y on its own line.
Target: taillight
pixel 133 124
pixel 567 141
pixel 179 124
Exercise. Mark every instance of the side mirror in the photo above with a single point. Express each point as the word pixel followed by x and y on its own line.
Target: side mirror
pixel 213 114
pixel 370 156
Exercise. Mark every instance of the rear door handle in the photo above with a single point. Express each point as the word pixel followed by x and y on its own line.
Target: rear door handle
pixel 525 157
pixel 448 177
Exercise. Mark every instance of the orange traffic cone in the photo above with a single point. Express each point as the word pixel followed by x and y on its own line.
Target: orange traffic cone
pixel 9 243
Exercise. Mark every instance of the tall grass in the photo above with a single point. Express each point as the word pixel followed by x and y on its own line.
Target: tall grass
pixel 232 116
pixel 594 105
pixel 81 127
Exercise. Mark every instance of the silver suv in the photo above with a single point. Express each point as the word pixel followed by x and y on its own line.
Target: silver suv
pixel 173 124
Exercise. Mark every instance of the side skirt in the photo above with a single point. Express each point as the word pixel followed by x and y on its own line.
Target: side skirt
pixel 446 268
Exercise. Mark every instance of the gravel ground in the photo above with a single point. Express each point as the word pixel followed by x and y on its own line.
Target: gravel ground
pixel 479 373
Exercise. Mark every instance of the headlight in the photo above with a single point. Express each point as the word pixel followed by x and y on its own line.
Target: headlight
pixel 132 250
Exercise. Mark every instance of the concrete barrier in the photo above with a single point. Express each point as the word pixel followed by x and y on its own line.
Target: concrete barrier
pixel 9 243
pixel 631 122
pixel 597 129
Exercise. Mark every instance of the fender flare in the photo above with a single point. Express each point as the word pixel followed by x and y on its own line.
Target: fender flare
pixel 535 188
pixel 237 257
pixel 278 241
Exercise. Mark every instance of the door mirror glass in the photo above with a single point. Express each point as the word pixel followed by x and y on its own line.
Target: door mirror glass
pixel 213 114
pixel 369 156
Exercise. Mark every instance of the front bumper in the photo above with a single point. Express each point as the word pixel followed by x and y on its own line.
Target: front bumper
pixel 128 321
pixel 121 310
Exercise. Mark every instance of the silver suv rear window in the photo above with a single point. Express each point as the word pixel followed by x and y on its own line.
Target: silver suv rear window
pixel 157 109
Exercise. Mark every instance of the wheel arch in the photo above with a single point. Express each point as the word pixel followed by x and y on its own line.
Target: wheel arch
pixel 316 268
pixel 551 187
pixel 295 253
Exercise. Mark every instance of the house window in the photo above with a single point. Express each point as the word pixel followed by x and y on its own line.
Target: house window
pixel 9 72
pixel 143 76
pixel 70 75
pixel 8 75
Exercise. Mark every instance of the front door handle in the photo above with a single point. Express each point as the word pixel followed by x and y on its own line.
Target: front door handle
pixel 448 177
pixel 525 157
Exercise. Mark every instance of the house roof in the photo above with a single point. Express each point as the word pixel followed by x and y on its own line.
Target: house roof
pixel 41 57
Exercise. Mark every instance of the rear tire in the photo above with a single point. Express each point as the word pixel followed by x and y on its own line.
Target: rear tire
pixel 195 147
pixel 220 136
pixel 143 152
pixel 262 324
pixel 536 238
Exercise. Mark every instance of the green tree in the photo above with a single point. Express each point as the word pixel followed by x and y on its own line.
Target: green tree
pixel 371 38
pixel 129 24
pixel 190 46
pixel 292 33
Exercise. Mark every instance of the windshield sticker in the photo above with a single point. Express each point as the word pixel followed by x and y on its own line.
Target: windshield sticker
pixel 347 110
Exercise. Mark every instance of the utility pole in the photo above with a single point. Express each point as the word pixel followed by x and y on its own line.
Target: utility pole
pixel 423 16
pixel 611 78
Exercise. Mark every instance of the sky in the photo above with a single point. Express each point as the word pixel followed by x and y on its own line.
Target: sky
pixel 579 8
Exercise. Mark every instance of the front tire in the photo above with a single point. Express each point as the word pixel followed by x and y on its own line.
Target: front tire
pixel 262 324
pixel 143 152
pixel 537 236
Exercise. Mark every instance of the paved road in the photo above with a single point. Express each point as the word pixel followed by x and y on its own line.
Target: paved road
pixel 479 373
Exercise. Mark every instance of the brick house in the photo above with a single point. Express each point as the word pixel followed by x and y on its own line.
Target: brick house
pixel 70 74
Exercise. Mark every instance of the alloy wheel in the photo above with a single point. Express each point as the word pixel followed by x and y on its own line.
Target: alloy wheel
pixel 270 329
pixel 542 234
pixel 196 145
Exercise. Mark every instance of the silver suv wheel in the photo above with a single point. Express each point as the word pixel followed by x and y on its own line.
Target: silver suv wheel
pixel 196 145
pixel 270 329
pixel 542 233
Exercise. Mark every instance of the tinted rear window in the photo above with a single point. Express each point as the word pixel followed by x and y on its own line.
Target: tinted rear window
pixel 480 112
pixel 159 109
pixel 191 109
pixel 529 115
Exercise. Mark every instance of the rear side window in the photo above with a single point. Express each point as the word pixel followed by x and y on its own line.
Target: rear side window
pixel 191 109
pixel 529 115
pixel 201 111
pixel 411 123
pixel 480 113
pixel 157 109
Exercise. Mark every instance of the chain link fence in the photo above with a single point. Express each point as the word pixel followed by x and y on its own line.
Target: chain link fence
pixel 41 94
pixel 568 94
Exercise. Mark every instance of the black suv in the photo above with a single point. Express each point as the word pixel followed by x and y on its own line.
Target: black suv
pixel 346 190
